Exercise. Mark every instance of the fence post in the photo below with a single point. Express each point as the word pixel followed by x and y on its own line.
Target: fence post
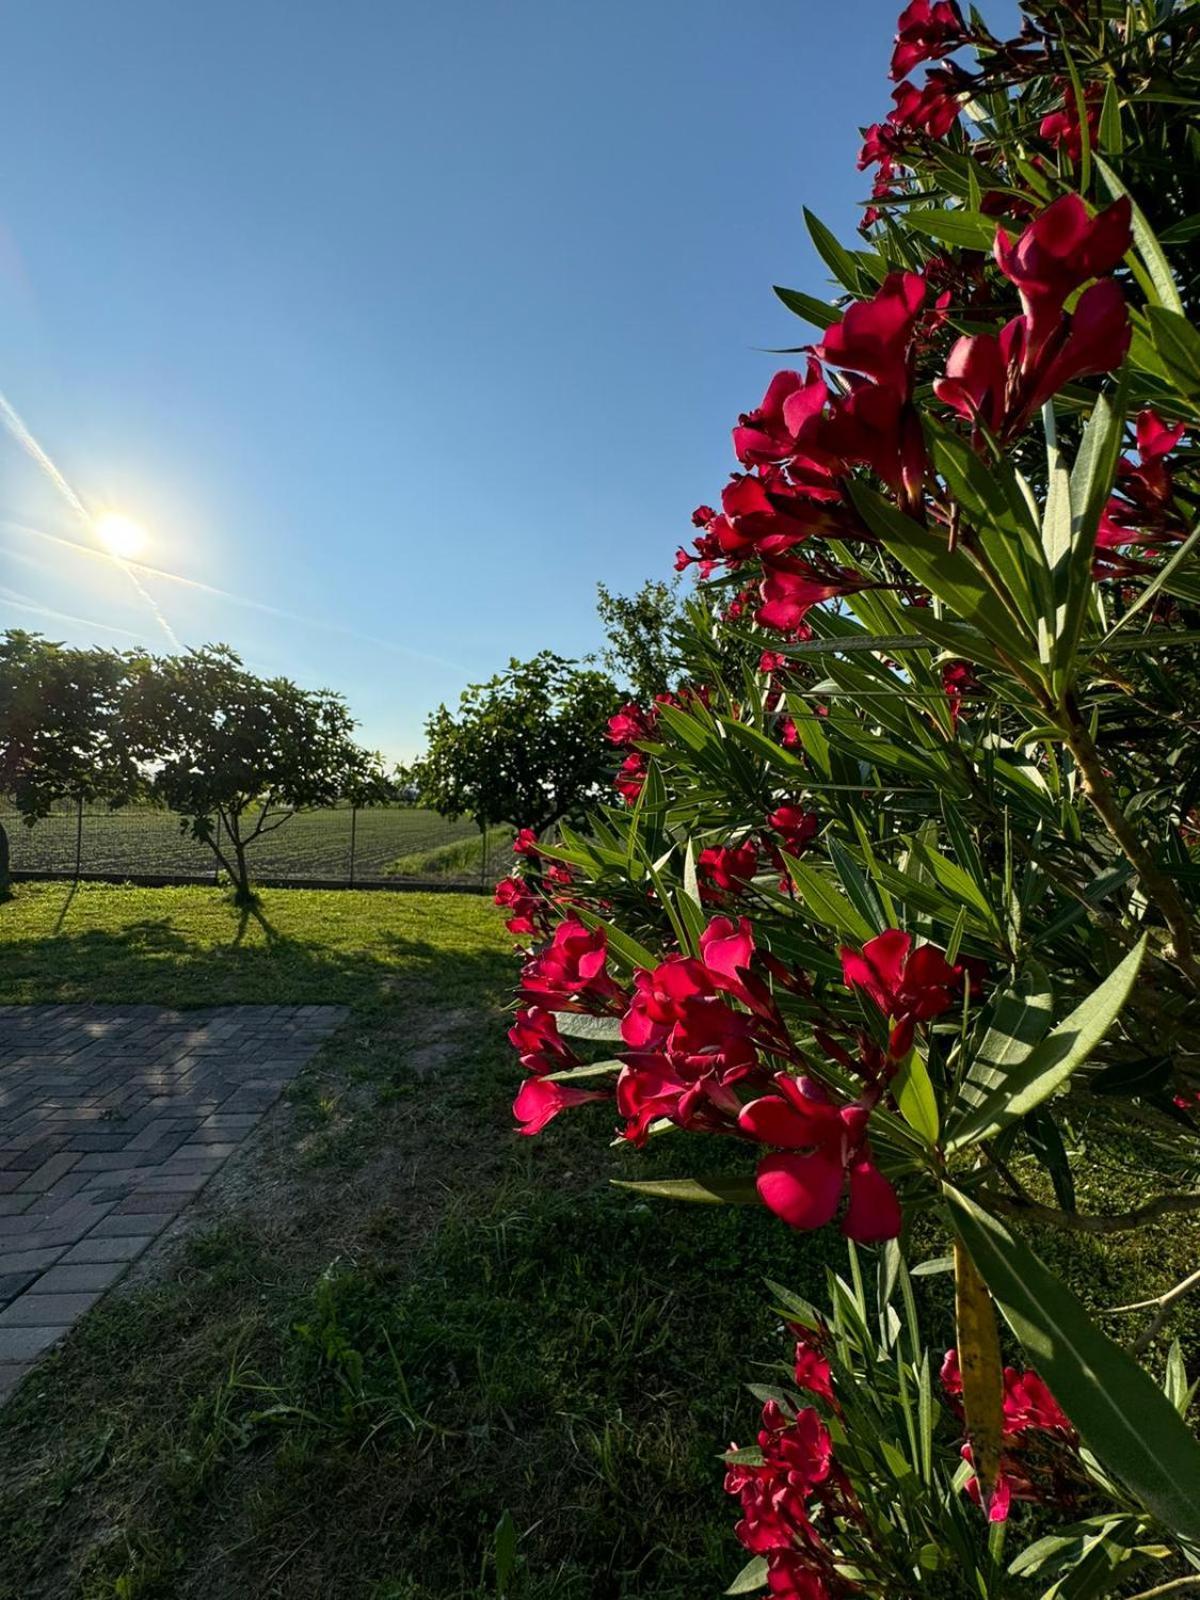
pixel 483 858
pixel 353 840
pixel 78 838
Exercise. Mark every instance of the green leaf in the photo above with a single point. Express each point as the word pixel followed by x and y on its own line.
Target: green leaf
pixel 950 574
pixel 1090 483
pixel 593 1069
pixel 1050 1063
pixel 819 312
pixel 577 1025
pixel 752 1576
pixel 1110 133
pixel 1178 347
pixel 913 1092
pixel 1161 278
pixel 714 1191
pixel 504 1549
pixel 962 229
pixel 834 254
pixel 1121 1413
pixel 826 904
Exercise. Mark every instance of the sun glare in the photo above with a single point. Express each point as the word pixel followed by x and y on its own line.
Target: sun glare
pixel 120 535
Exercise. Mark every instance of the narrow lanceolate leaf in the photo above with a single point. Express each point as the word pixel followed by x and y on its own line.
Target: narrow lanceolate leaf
pixel 594 1069
pixel 1178 347
pixel 1157 267
pixel 982 1369
pixel 1090 483
pixel 950 574
pixel 1122 1415
pixel 965 230
pixel 716 1191
pixel 819 312
pixel 1050 1063
pixel 913 1092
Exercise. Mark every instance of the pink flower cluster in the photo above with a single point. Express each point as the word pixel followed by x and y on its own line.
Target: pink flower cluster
pixel 782 1495
pixel 1040 1447
pixel 705 1046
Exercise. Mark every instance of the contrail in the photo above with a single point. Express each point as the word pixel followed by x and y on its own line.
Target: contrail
pixel 239 599
pixel 13 422
pixel 25 602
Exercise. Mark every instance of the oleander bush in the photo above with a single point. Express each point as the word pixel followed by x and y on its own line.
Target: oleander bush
pixel 898 888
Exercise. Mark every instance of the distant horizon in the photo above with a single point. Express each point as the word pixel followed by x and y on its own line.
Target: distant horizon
pixel 381 337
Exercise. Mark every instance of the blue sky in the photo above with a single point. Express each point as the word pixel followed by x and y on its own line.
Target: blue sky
pixel 408 321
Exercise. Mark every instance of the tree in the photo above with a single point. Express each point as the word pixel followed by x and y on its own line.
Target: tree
pixel 905 903
pixel 237 755
pixel 526 747
pixel 640 630
pixel 60 733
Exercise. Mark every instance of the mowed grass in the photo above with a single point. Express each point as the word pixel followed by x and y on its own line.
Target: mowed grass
pixel 414 1327
pixel 141 839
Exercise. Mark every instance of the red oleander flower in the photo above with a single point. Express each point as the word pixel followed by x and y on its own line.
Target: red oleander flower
pixel 993 380
pixel 570 970
pixel 535 1036
pixel 727 949
pixel 925 32
pixel 822 1154
pixel 1028 1470
pixel 812 1371
pixel 527 910
pixel 770 513
pixel 791 587
pixel 631 723
pixel 878 427
pixel 631 775
pixel 540 1100
pixel 959 681
pixel 725 869
pixel 795 827
pixel 1141 512
pixel 932 109
pixel 1060 250
pixel 882 146
pixel 768 433
pixel 525 843
pixel 874 336
pixel 908 986
pixel 1061 129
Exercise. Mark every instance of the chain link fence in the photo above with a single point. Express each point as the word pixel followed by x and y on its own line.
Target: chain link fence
pixel 397 846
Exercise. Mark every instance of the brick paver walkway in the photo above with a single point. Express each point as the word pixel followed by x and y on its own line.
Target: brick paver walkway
pixel 111 1119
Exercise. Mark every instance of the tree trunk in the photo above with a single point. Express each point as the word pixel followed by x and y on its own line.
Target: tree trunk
pixel 242 892
pixel 5 865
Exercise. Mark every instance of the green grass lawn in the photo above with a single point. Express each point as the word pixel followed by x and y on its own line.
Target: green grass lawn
pixel 413 1325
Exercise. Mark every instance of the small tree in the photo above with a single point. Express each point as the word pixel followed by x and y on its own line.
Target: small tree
pixel 237 755
pixel 527 747
pixel 59 736
pixel 640 629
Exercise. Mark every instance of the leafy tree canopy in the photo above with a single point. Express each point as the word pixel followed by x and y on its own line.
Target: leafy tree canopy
pixel 526 747
pixel 237 754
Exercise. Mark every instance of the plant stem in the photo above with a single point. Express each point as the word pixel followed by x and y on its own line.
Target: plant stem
pixel 1080 1222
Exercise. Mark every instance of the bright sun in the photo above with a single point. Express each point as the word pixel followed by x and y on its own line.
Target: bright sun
pixel 121 536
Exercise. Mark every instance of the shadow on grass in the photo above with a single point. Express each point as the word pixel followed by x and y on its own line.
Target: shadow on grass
pixel 152 962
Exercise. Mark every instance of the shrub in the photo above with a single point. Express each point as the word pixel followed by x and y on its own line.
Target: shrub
pixel 900 890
